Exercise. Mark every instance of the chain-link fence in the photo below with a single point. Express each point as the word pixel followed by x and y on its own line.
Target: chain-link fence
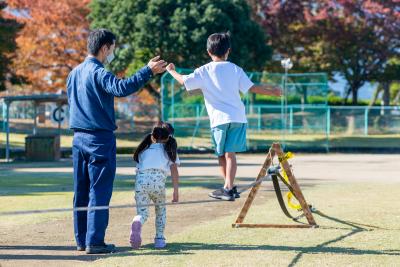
pixel 307 127
pixel 301 88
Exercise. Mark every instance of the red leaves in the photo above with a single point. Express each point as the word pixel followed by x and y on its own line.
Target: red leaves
pixel 52 42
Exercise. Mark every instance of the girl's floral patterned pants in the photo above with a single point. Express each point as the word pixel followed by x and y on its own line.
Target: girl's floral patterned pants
pixel 150 186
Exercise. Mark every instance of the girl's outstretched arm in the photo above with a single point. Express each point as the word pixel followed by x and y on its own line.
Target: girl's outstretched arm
pixel 171 69
pixel 266 90
pixel 175 182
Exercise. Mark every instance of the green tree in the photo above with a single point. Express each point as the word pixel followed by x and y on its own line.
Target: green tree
pixel 177 30
pixel 355 38
pixel 388 83
pixel 8 33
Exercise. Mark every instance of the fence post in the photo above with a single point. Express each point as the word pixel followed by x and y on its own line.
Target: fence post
pixel 366 121
pixel 328 121
pixel 162 96
pixel 328 127
pixel 197 114
pixel 4 108
pixel 291 120
pixel 8 131
pixel 259 118
pixel 173 102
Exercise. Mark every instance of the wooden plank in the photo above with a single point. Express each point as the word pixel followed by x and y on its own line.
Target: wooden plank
pixel 264 225
pixel 254 189
pixel 296 188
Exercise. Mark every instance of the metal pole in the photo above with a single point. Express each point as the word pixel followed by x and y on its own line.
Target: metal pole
pixel 291 120
pixel 162 96
pixel 173 102
pixel 197 124
pixel 284 109
pixel 366 121
pixel 34 117
pixel 328 127
pixel 7 131
pixel 259 119
pixel 59 119
pixel 197 114
pixel 4 115
pixel 286 64
pixel 328 121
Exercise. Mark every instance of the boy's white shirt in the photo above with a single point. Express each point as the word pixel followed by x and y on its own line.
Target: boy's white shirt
pixel 155 157
pixel 221 83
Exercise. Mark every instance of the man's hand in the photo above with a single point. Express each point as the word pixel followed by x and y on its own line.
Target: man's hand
pixel 175 197
pixel 157 65
pixel 170 67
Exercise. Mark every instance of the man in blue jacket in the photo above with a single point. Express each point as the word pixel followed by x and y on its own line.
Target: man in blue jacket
pixel 91 91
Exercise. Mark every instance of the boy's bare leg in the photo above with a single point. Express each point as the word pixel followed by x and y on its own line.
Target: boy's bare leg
pixel 222 166
pixel 231 167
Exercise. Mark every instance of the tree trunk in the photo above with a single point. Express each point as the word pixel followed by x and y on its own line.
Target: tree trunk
pixel 386 96
pixel 386 93
pixel 396 99
pixel 354 93
pixel 346 96
pixel 375 95
pixel 351 119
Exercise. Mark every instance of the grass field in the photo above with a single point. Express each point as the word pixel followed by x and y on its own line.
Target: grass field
pixel 348 189
pixel 256 140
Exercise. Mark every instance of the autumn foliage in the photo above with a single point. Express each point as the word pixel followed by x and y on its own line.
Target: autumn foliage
pixel 52 41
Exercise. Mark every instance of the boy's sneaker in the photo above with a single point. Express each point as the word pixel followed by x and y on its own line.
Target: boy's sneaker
pixel 136 233
pixel 223 194
pixel 235 192
pixel 159 243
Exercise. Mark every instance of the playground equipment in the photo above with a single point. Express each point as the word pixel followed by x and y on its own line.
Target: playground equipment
pixel 287 177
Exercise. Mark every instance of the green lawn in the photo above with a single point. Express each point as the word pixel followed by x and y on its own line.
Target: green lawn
pixel 340 241
pixel 255 141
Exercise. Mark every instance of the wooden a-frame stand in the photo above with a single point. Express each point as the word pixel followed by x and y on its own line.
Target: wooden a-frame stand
pixel 275 150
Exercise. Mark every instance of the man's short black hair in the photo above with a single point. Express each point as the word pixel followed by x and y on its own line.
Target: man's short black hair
pixel 219 43
pixel 99 37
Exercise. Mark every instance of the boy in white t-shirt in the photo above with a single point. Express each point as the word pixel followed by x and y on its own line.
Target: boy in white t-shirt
pixel 221 83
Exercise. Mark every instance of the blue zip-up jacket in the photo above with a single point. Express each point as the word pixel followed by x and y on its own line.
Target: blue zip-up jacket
pixel 91 90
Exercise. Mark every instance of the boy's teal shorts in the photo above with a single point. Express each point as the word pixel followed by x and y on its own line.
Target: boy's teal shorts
pixel 229 137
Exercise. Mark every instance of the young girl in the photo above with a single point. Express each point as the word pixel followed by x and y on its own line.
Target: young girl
pixel 156 158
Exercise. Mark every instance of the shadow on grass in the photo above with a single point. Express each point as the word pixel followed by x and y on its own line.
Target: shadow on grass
pixel 189 248
pixel 356 228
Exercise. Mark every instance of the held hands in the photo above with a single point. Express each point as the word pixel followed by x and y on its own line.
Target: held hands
pixel 157 65
pixel 175 196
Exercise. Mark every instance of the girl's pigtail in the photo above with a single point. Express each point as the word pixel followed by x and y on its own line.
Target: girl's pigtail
pixel 171 148
pixel 146 142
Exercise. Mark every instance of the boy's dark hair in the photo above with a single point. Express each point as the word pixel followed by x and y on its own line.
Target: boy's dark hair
pixel 99 37
pixel 219 43
pixel 161 131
